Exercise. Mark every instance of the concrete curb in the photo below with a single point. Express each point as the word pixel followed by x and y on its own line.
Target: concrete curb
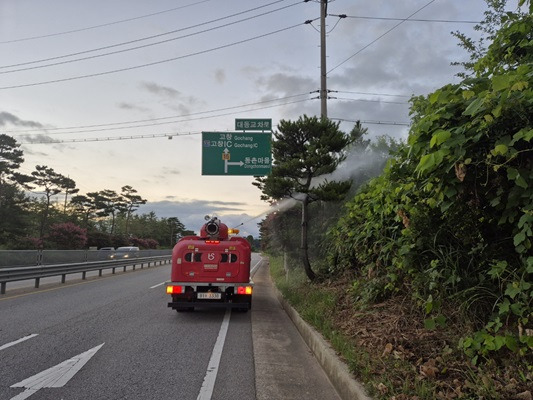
pixel 336 370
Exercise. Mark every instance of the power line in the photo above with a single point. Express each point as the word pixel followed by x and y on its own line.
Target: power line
pixel 370 94
pixel 158 119
pixel 405 20
pixel 370 101
pixel 152 63
pixel 378 38
pixel 117 138
pixel 48 141
pixel 140 40
pixel 102 25
pixel 373 122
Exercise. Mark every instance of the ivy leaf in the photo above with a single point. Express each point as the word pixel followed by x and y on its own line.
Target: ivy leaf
pixel 521 182
pixel 430 324
pixel 512 290
pixel 501 82
pixel 512 173
pixel 439 137
pixel 430 161
pixel 474 107
pixel 519 238
pixel 519 86
pixel 468 94
pixel 500 149
pixel 497 111
pixel 511 343
pixel 504 307
pixel 434 97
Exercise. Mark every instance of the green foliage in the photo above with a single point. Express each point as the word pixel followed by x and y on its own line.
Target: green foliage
pixel 106 215
pixel 304 151
pixel 452 215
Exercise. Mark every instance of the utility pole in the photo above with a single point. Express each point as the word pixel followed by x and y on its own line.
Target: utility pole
pixel 323 82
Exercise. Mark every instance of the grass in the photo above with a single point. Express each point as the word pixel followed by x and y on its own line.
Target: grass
pixel 388 349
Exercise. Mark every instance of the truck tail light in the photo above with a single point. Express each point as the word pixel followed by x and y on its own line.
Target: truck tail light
pixel 244 290
pixel 174 289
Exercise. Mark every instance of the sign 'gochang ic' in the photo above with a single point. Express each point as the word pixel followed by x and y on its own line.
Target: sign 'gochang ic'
pixel 236 153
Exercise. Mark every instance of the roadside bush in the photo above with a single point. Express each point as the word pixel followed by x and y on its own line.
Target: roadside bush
pixel 452 215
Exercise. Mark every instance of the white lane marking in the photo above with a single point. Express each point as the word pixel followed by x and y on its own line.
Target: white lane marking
pixel 208 385
pixel 159 284
pixel 5 346
pixel 255 267
pixel 56 376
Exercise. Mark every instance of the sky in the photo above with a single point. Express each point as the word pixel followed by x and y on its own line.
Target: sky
pixel 117 92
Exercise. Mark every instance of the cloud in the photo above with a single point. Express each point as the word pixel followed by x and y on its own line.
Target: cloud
pixel 286 83
pixel 171 172
pixel 159 90
pixel 172 98
pixel 11 119
pixel 220 75
pixel 129 106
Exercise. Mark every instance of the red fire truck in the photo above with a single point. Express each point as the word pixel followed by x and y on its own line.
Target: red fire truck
pixel 211 270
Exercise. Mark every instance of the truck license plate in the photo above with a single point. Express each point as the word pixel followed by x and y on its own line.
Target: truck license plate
pixel 210 296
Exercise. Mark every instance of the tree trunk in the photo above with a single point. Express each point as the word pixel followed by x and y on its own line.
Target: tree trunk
pixel 303 244
pixel 45 217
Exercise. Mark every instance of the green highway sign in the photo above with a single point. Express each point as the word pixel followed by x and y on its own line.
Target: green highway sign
pixel 253 124
pixel 236 153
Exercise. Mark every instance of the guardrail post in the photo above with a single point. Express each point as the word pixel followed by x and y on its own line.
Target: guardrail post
pixel 83 275
pixel 63 278
pixel 37 281
pixel 124 268
pixel 99 272
pixel 3 288
pixel 113 270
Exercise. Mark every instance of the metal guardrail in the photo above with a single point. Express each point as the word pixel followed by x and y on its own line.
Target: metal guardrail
pixel 26 258
pixel 12 274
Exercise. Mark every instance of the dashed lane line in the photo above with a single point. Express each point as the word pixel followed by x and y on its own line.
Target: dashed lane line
pixel 5 346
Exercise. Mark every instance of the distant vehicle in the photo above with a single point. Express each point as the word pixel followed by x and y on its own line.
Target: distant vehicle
pixel 126 252
pixel 105 252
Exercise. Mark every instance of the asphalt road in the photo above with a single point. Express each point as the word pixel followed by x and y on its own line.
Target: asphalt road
pixel 114 338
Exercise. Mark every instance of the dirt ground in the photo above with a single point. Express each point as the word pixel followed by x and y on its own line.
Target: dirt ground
pixel 405 354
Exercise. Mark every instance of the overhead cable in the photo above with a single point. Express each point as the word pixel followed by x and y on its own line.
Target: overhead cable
pixel 379 37
pixel 102 25
pixel 373 122
pixel 370 94
pixel 140 40
pixel 112 126
pixel 152 63
pixel 406 20
pixel 150 136
pixel 370 101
